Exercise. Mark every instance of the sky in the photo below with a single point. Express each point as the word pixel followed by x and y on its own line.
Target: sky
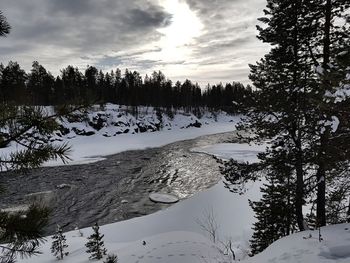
pixel 206 41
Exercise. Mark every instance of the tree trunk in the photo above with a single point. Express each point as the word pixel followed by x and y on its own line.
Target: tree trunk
pixel 299 192
pixel 321 195
pixel 299 200
pixel 348 219
pixel 321 173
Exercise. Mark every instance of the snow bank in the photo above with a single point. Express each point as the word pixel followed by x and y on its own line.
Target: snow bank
pixel 305 247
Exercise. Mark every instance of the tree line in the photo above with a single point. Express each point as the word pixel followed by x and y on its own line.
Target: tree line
pixel 40 87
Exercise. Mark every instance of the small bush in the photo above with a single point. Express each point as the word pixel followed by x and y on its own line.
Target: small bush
pixel 111 258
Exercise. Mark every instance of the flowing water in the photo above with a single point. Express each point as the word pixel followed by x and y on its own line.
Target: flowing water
pixel 118 187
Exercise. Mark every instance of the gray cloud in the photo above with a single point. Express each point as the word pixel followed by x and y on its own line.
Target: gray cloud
pixel 75 7
pixel 110 33
pixel 60 32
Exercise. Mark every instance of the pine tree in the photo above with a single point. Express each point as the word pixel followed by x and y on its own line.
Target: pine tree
pixel 276 209
pixel 282 79
pixel 59 244
pixel 22 232
pixel 329 38
pixel 95 244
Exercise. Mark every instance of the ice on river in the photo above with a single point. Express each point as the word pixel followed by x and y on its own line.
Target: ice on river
pixel 163 198
pixel 241 152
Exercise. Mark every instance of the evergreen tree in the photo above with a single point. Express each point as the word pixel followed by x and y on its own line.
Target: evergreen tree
pixel 275 211
pixel 22 232
pixel 328 49
pixel 59 244
pixel 40 85
pixel 95 244
pixel 282 79
pixel 12 86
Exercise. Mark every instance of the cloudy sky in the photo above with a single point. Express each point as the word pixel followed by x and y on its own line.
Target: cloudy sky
pixel 207 41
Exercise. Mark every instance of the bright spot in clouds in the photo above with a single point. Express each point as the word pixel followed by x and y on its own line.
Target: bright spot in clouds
pixel 184 28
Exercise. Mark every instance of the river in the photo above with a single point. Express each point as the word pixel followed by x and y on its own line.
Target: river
pixel 118 187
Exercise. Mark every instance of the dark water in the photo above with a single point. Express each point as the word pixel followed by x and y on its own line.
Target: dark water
pixel 118 187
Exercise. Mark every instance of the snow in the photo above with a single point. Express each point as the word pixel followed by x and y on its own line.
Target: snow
pixel 174 231
pixel 300 247
pixel 333 124
pixel 319 70
pixel 172 247
pixel 242 152
pixel 163 198
pixel 342 93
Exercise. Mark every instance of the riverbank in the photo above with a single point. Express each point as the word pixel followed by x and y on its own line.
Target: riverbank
pixel 94 148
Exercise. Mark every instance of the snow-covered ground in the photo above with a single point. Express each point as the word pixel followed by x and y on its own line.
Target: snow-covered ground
pixel 174 234
pixel 306 247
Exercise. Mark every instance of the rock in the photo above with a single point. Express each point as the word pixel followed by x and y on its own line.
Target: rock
pixel 196 124
pixel 124 201
pixel 62 186
pixel 82 132
pixel 63 130
pixel 98 122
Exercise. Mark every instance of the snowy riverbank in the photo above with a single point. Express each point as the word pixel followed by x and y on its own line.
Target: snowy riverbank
pixel 113 129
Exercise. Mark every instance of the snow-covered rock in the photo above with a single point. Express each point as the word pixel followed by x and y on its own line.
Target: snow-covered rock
pixel 111 120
